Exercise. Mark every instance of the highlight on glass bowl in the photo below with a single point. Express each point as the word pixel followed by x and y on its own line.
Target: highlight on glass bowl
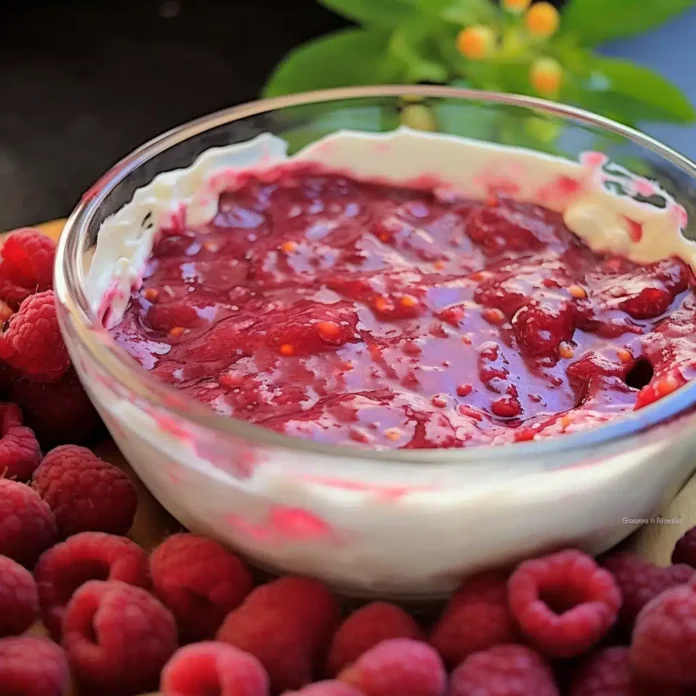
pixel 364 343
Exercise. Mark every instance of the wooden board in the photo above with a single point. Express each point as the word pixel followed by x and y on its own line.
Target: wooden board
pixel 152 523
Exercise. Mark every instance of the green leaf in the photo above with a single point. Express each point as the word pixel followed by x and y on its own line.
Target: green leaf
pixel 595 21
pixel 644 85
pixel 381 13
pixel 465 12
pixel 411 47
pixel 341 59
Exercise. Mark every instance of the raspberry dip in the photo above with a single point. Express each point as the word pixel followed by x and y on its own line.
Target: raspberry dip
pixel 355 310
pixel 437 307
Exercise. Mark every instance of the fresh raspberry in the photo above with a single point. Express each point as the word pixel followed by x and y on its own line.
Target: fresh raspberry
pixel 398 666
pixel 640 581
pixel 663 646
pixel 117 638
pixel 685 549
pixel 20 453
pixel 199 581
pixel 59 413
pixel 87 556
pixel 504 670
pixel 564 603
pixel 32 667
pixel 32 343
pixel 213 668
pixel 27 525
pixel 476 618
pixel 85 493
pixel 608 673
pixel 27 263
pixel 285 624
pixel 366 628
pixel 326 688
pixel 19 598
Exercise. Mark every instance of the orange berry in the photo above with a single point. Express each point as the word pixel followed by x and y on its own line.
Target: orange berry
pixel 667 384
pixel 408 301
pixel 466 340
pixel 542 19
pixel 546 76
pixel 150 294
pixel 288 247
pixel 476 42
pixel 439 265
pixel 624 355
pixel 286 349
pixel 577 291
pixel 328 330
pixel 565 350
pixel 565 421
pixel 493 315
pixel 176 331
pixel 382 304
pixel 392 433
pixel 516 6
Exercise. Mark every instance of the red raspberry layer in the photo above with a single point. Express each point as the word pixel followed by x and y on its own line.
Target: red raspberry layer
pixel 20 452
pixel 199 581
pixel 83 557
pixel 117 638
pixel 85 493
pixel 32 343
pixel 564 603
pixel 27 525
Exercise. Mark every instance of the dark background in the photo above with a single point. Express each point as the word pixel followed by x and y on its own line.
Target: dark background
pixel 82 83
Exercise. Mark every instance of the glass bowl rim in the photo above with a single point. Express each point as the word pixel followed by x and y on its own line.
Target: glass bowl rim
pixel 128 374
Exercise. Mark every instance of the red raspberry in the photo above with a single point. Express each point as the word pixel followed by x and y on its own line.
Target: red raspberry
pixel 608 673
pixel 326 688
pixel 27 525
pixel 640 581
pixel 58 413
pixel 286 625
pixel 85 493
pixel 28 257
pixel 399 666
pixel 504 670
pixel 213 668
pixel 663 646
pixel 199 581
pixel 685 549
pixel 32 667
pixel 20 453
pixel 564 602
pixel 19 598
pixel 87 556
pixel 366 628
pixel 476 618
pixel 117 638
pixel 32 343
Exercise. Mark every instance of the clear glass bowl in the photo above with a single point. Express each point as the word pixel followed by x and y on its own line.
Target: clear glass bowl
pixel 400 523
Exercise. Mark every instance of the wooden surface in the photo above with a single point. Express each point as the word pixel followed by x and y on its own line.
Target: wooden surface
pixel 152 523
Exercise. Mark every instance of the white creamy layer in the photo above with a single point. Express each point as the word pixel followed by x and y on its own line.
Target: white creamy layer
pixel 642 222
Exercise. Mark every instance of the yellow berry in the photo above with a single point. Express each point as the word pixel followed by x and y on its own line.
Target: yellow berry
pixel 546 76
pixel 475 42
pixel 516 6
pixel 542 19
pixel 418 117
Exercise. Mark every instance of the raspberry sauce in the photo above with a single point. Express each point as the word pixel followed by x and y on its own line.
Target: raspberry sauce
pixel 352 312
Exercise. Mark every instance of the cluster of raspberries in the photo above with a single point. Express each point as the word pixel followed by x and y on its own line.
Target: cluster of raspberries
pixel 187 618
pixel 36 373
